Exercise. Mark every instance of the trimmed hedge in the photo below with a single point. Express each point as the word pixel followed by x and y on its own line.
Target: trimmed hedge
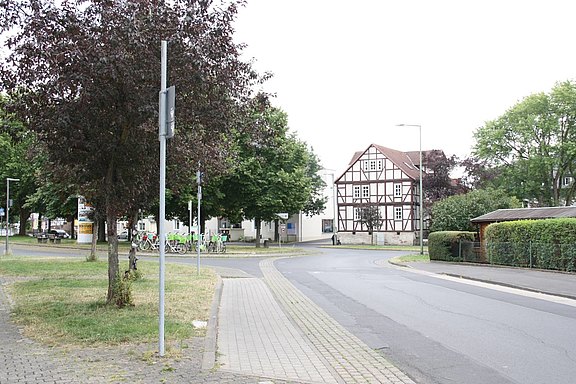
pixel 546 244
pixel 445 245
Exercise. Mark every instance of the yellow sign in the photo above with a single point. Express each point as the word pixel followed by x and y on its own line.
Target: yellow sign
pixel 85 228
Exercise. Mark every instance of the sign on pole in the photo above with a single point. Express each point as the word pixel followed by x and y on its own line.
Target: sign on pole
pixel 170 112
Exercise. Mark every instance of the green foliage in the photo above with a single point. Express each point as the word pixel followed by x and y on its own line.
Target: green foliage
pixel 273 174
pixel 454 213
pixel 371 217
pixel 445 245
pixel 20 157
pixel 531 148
pixel 546 244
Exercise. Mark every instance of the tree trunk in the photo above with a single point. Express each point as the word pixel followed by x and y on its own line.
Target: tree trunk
pixel 132 220
pixel 258 224
pixel 24 215
pixel 93 255
pixel 113 265
pixel 102 228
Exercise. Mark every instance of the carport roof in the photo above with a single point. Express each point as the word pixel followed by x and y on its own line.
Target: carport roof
pixel 526 214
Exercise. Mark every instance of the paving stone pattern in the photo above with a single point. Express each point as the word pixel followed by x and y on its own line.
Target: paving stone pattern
pixel 353 360
pixel 25 361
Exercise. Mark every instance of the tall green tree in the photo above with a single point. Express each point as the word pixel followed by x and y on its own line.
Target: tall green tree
pixel 85 75
pixel 454 212
pixel 19 159
pixel 533 146
pixel 276 173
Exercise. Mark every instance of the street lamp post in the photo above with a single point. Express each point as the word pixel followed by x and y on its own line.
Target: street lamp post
pixel 8 180
pixel 421 194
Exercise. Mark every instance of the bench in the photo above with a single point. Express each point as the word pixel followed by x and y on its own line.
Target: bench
pixel 54 239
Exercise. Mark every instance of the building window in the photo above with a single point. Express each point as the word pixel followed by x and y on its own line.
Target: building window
pixel 176 224
pixel 365 191
pixel 356 191
pixel 141 226
pixel 357 214
pixel 397 190
pixel 379 165
pixel 566 181
pixel 327 225
pixel 397 213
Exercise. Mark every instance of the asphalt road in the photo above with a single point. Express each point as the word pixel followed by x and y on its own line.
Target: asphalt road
pixel 440 331
pixel 435 330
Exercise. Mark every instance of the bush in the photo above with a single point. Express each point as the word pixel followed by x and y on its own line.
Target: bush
pixel 546 244
pixel 445 245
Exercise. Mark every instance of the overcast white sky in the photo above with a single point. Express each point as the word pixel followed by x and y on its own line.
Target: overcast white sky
pixel 347 72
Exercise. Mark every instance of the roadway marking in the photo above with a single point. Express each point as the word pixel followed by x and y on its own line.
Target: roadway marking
pixel 482 284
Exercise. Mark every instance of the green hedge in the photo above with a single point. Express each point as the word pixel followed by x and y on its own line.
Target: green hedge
pixel 546 244
pixel 445 245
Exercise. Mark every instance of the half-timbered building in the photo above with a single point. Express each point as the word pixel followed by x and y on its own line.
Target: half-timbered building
pixel 385 180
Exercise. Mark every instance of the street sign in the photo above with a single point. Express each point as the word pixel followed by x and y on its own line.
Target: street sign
pixel 283 216
pixel 170 112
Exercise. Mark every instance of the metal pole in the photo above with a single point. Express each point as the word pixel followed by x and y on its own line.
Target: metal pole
pixel 8 180
pixel 190 220
pixel 421 197
pixel 199 180
pixel 420 182
pixel 162 138
pixel 7 212
pixel 335 206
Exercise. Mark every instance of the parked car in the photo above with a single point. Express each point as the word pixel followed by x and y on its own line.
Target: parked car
pixel 123 235
pixel 60 233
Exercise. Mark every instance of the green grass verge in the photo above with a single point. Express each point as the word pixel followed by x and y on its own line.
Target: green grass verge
pixel 377 247
pixel 63 302
pixel 412 258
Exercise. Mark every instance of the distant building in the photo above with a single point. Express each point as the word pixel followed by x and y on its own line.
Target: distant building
pixel 387 180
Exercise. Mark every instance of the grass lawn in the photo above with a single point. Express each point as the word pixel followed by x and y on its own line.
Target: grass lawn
pixel 63 301
pixel 412 258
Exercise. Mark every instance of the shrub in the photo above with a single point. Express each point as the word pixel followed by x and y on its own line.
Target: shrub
pixel 445 245
pixel 546 244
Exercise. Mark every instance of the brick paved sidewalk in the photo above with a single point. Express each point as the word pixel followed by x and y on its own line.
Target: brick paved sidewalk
pixel 25 361
pixel 292 338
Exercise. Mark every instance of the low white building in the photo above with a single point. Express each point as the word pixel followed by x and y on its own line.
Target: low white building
pixel 297 228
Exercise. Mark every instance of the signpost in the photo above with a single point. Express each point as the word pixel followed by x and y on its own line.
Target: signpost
pixel 8 204
pixel 283 216
pixel 166 130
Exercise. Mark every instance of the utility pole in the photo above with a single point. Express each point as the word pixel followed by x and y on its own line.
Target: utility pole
pixel 200 236
pixel 166 130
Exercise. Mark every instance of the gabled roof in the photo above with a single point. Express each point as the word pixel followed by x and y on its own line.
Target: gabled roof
pixel 526 214
pixel 400 159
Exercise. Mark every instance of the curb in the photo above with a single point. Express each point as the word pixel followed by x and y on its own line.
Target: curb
pixel 508 285
pixel 209 355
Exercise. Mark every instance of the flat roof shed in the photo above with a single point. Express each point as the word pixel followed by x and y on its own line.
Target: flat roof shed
pixel 522 214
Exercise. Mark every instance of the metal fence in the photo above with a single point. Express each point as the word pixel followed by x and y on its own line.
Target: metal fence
pixel 528 254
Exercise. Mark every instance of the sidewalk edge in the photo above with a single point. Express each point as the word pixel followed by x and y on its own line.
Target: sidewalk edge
pixel 209 355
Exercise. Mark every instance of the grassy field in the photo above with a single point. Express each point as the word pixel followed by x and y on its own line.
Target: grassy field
pixel 63 302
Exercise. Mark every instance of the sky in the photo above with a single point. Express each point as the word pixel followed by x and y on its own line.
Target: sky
pixel 347 72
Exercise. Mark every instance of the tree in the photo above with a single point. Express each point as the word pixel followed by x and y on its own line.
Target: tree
pixel 277 173
pixel 533 146
pixel 437 181
pixel 371 217
pixel 19 159
pixel 454 212
pixel 86 75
